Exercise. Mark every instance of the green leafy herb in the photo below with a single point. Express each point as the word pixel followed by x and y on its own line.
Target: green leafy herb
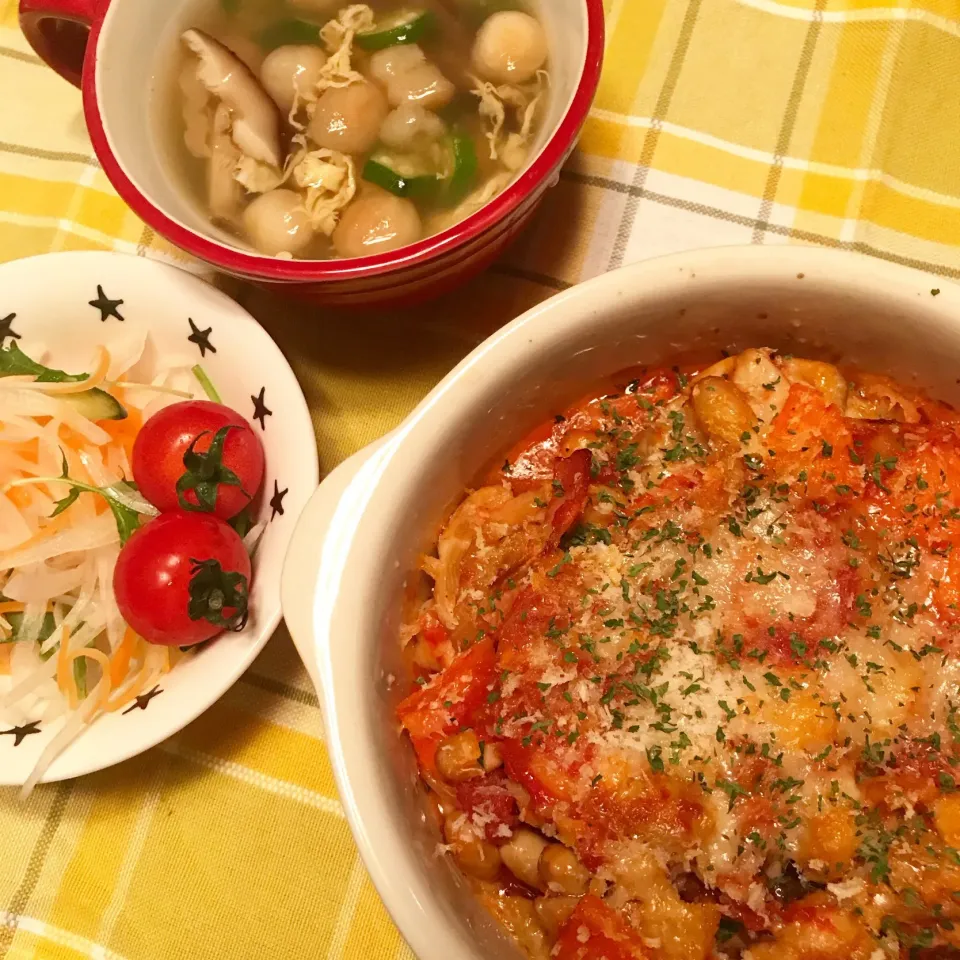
pixel 127 519
pixel 732 790
pixel 15 363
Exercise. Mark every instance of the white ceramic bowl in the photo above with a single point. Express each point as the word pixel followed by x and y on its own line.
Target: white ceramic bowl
pixel 360 534
pixel 50 296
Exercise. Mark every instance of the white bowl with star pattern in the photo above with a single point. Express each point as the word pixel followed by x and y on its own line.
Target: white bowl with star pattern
pixel 64 306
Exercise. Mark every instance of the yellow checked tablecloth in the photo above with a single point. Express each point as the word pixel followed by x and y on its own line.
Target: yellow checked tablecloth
pixel 830 122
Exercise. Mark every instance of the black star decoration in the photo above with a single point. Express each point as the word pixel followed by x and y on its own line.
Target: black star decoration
pixel 201 338
pixel 260 409
pixel 106 306
pixel 143 701
pixel 20 734
pixel 6 328
pixel 276 501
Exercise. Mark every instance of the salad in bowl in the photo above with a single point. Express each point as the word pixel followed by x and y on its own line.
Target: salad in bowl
pixel 145 478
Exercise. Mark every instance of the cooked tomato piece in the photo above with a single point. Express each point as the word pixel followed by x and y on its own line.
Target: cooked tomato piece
pixel 659 809
pixel 538 771
pixel 529 619
pixel 812 445
pixel 570 480
pixel 433 631
pixel 449 701
pixel 656 387
pixel 789 638
pixel 595 932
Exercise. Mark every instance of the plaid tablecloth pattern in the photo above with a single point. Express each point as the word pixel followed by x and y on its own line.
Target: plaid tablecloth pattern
pixel 717 122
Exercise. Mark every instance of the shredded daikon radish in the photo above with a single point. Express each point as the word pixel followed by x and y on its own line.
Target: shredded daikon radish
pixel 57 605
pixel 44 583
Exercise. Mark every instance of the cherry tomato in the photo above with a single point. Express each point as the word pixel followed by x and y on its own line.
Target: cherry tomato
pixel 198 455
pixel 182 579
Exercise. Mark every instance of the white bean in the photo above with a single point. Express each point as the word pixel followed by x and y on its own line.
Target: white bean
pixel 562 871
pixel 391 62
pixel 424 85
pixel 458 757
pixel 510 48
pixel 292 70
pixel 554 912
pixel 348 119
pixel 376 222
pixel 474 854
pixel 409 123
pixel 408 76
pixel 277 223
pixel 522 856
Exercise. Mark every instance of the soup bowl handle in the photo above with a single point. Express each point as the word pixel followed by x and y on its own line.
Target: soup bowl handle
pixel 308 563
pixel 58 31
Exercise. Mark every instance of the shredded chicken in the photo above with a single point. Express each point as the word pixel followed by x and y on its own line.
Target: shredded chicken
pixel 337 36
pixel 330 180
pixel 523 101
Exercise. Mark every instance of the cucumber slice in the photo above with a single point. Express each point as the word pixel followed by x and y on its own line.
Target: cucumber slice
pixel 404 27
pixel 16 622
pixel 411 175
pixel 97 404
pixel 289 32
pixel 409 166
pixel 382 174
pixel 464 168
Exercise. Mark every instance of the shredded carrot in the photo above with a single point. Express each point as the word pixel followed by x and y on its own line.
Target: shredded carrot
pixel 11 606
pixel 20 497
pixel 133 691
pixel 71 438
pixel 29 449
pixel 125 431
pixel 120 661
pixel 51 527
pixel 6 649
pixel 65 678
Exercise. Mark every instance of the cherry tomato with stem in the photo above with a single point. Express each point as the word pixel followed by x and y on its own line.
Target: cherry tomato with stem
pixel 183 578
pixel 198 456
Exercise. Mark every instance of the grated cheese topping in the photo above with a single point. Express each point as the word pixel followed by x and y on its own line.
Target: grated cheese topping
pixel 727 633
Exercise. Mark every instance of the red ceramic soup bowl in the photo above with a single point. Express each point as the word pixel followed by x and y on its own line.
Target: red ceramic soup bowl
pixel 120 52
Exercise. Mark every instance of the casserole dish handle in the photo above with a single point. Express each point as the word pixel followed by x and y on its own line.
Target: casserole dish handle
pixel 302 566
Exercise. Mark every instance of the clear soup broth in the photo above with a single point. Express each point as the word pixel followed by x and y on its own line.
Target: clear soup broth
pixel 315 129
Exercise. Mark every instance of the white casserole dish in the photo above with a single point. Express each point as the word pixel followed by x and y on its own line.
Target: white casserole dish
pixel 360 535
